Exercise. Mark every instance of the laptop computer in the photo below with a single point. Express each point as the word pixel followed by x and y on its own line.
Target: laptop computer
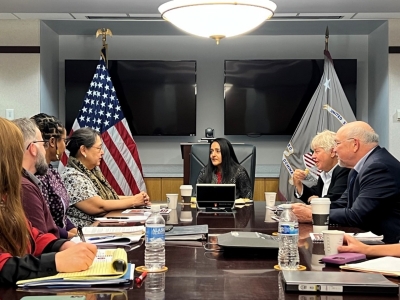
pixel 215 197
pixel 338 282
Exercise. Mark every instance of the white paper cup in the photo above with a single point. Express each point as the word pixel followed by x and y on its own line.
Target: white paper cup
pixel 268 216
pixel 320 214
pixel 270 198
pixel 172 200
pixel 332 240
pixel 172 217
pixel 316 265
pixel 186 193
pixel 186 216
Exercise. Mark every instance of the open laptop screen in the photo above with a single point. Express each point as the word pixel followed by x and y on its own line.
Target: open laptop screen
pixel 215 195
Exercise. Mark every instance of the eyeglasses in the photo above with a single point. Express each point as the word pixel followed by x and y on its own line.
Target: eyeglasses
pixel 98 148
pixel 338 143
pixel 45 144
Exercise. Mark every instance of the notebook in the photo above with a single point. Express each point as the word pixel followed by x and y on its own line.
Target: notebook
pixel 388 266
pixel 338 282
pixel 109 267
pixel 216 197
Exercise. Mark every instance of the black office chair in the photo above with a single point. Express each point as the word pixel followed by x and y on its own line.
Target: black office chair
pixel 245 153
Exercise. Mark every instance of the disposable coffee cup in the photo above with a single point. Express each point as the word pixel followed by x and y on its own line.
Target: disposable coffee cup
pixel 317 253
pixel 268 216
pixel 270 198
pixel 186 193
pixel 332 240
pixel 172 200
pixel 186 216
pixel 172 217
pixel 320 214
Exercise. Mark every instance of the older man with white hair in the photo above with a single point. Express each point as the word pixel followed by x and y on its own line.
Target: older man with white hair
pixel 372 198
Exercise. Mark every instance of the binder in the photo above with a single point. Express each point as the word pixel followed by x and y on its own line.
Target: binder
pixel 338 282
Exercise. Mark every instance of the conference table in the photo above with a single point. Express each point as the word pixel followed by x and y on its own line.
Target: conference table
pixel 197 273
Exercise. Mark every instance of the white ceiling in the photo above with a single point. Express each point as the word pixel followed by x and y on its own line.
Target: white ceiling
pixel 79 9
pixel 141 17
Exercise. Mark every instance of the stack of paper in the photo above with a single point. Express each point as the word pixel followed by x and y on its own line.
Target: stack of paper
pixel 109 267
pixel 388 266
pixel 193 232
pixel 112 236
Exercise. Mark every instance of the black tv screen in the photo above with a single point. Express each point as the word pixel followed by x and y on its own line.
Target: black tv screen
pixel 269 97
pixel 156 97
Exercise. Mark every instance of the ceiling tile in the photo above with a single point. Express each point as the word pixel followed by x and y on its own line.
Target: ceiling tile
pixel 44 16
pixel 83 16
pixel 377 16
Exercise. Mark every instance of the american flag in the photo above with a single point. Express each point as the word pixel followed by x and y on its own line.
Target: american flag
pixel 101 111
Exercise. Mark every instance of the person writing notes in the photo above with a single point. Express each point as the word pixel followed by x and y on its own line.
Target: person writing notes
pixel 372 198
pixel 90 193
pixel 223 167
pixel 52 187
pixel 351 244
pixel 332 181
pixel 25 252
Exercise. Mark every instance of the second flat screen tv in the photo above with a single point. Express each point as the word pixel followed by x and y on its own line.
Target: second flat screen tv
pixel 157 97
pixel 269 97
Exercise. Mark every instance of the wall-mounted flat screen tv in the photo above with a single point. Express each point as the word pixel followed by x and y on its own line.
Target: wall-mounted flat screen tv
pixel 156 97
pixel 269 97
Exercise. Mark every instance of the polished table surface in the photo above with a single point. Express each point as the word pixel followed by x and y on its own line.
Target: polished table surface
pixel 195 273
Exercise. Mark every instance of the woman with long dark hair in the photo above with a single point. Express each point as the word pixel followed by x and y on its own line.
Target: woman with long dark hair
pixel 223 167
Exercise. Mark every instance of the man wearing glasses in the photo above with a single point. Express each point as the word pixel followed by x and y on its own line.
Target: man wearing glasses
pixel 372 198
pixel 34 162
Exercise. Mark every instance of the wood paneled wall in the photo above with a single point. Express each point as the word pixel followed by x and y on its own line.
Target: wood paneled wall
pixel 158 187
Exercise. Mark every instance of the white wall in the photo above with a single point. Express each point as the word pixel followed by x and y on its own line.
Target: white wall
pixel 210 77
pixel 394 89
pixel 19 73
pixel 378 85
pixel 49 89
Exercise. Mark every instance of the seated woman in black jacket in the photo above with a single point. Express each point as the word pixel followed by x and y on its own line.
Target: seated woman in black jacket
pixel 223 167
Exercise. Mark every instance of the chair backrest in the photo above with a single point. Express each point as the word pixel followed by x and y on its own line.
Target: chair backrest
pixel 245 153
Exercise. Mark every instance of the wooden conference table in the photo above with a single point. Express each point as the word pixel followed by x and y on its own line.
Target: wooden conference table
pixel 195 273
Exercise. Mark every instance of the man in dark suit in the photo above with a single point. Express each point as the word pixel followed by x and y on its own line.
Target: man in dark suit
pixel 332 181
pixel 372 198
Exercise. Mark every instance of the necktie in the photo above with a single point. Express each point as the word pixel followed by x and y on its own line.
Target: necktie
pixel 352 176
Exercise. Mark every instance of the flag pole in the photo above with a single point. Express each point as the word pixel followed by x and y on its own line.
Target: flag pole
pixel 104 32
pixel 326 38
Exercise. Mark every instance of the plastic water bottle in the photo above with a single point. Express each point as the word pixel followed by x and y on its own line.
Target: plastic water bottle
pixel 288 255
pixel 155 286
pixel 154 255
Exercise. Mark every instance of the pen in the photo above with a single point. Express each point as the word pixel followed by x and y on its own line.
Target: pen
pixel 80 234
pixel 101 237
pixel 117 218
pixel 140 279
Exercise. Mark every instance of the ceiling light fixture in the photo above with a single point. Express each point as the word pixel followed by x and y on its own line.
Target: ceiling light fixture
pixel 217 19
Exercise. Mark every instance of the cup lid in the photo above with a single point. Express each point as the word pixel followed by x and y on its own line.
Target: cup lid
pixel 320 201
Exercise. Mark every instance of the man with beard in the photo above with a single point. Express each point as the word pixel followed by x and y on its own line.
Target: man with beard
pixel 34 162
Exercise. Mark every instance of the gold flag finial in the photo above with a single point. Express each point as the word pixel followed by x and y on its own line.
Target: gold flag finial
pixel 103 32
pixel 326 38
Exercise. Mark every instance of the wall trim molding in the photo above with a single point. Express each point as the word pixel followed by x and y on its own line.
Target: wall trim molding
pixel 19 49
pixel 394 49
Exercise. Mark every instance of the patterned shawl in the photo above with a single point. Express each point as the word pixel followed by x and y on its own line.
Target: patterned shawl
pixel 106 192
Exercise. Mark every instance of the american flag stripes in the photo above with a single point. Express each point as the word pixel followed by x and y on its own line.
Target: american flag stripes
pixel 101 111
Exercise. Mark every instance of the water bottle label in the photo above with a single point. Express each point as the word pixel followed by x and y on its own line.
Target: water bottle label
pixel 289 229
pixel 155 234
